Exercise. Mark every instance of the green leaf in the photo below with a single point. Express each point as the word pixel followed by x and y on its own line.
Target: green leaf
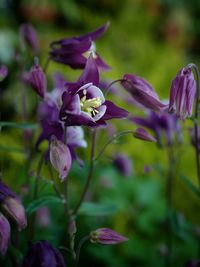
pixel 41 202
pixel 100 209
pixel 11 149
pixel 22 126
pixel 190 185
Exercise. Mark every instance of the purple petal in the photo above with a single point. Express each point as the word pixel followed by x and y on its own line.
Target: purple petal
pixel 113 111
pixel 90 73
pixel 95 34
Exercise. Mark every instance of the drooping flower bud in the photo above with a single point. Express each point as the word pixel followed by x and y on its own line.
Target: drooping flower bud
pixel 60 157
pixel 14 208
pixel 43 254
pixel 4 234
pixel 182 93
pixel 28 36
pixel 142 92
pixel 123 164
pixel 106 236
pixel 3 72
pixel 37 80
pixel 142 134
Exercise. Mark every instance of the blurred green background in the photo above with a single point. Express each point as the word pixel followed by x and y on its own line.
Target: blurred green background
pixel 152 39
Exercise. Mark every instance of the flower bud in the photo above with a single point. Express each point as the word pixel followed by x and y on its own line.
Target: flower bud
pixel 37 80
pixel 4 234
pixel 182 93
pixel 28 36
pixel 142 92
pixel 106 236
pixel 60 157
pixel 3 72
pixel 13 207
pixel 142 134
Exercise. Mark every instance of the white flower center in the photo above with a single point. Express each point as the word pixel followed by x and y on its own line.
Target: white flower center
pixel 89 105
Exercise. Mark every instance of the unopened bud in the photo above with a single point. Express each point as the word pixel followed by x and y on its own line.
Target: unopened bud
pixel 4 234
pixel 106 236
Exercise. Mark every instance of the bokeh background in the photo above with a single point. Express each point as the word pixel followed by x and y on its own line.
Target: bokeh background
pixel 152 39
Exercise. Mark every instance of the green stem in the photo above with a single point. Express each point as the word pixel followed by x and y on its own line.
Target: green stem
pixel 46 65
pixel 90 173
pixel 115 136
pixel 83 240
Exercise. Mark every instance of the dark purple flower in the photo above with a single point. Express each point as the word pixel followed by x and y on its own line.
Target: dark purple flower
pixel 43 254
pixel 28 36
pixel 37 79
pixel 161 124
pixel 3 72
pixel 123 164
pixel 142 92
pixel 106 236
pixel 75 51
pixel 192 263
pixel 11 204
pixel 84 102
pixel 48 114
pixel 4 234
pixel 182 93
pixel 60 157
pixel 142 134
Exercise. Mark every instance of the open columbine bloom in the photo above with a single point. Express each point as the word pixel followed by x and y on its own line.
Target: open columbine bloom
pixel 84 102
pixel 142 92
pixel 182 93
pixel 75 51
pixel 106 236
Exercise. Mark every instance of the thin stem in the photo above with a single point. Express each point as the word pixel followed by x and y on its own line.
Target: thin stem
pixel 83 240
pixel 46 65
pixel 169 187
pixel 115 136
pixel 111 84
pixel 54 183
pixel 90 173
pixel 196 115
pixel 39 168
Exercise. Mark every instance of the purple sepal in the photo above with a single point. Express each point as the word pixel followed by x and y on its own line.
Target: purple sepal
pixel 4 234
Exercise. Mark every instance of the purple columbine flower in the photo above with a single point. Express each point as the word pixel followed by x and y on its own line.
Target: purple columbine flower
pixel 43 254
pixel 142 92
pixel 4 234
pixel 28 36
pixel 11 204
pixel 37 79
pixel 3 72
pixel 106 236
pixel 142 134
pixel 123 164
pixel 60 157
pixel 48 114
pixel 182 93
pixel 84 102
pixel 164 126
pixel 75 51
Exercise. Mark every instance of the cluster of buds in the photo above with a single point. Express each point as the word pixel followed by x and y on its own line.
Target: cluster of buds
pixel 11 210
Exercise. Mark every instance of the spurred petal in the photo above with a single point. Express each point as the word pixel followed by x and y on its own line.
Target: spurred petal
pixel 95 34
